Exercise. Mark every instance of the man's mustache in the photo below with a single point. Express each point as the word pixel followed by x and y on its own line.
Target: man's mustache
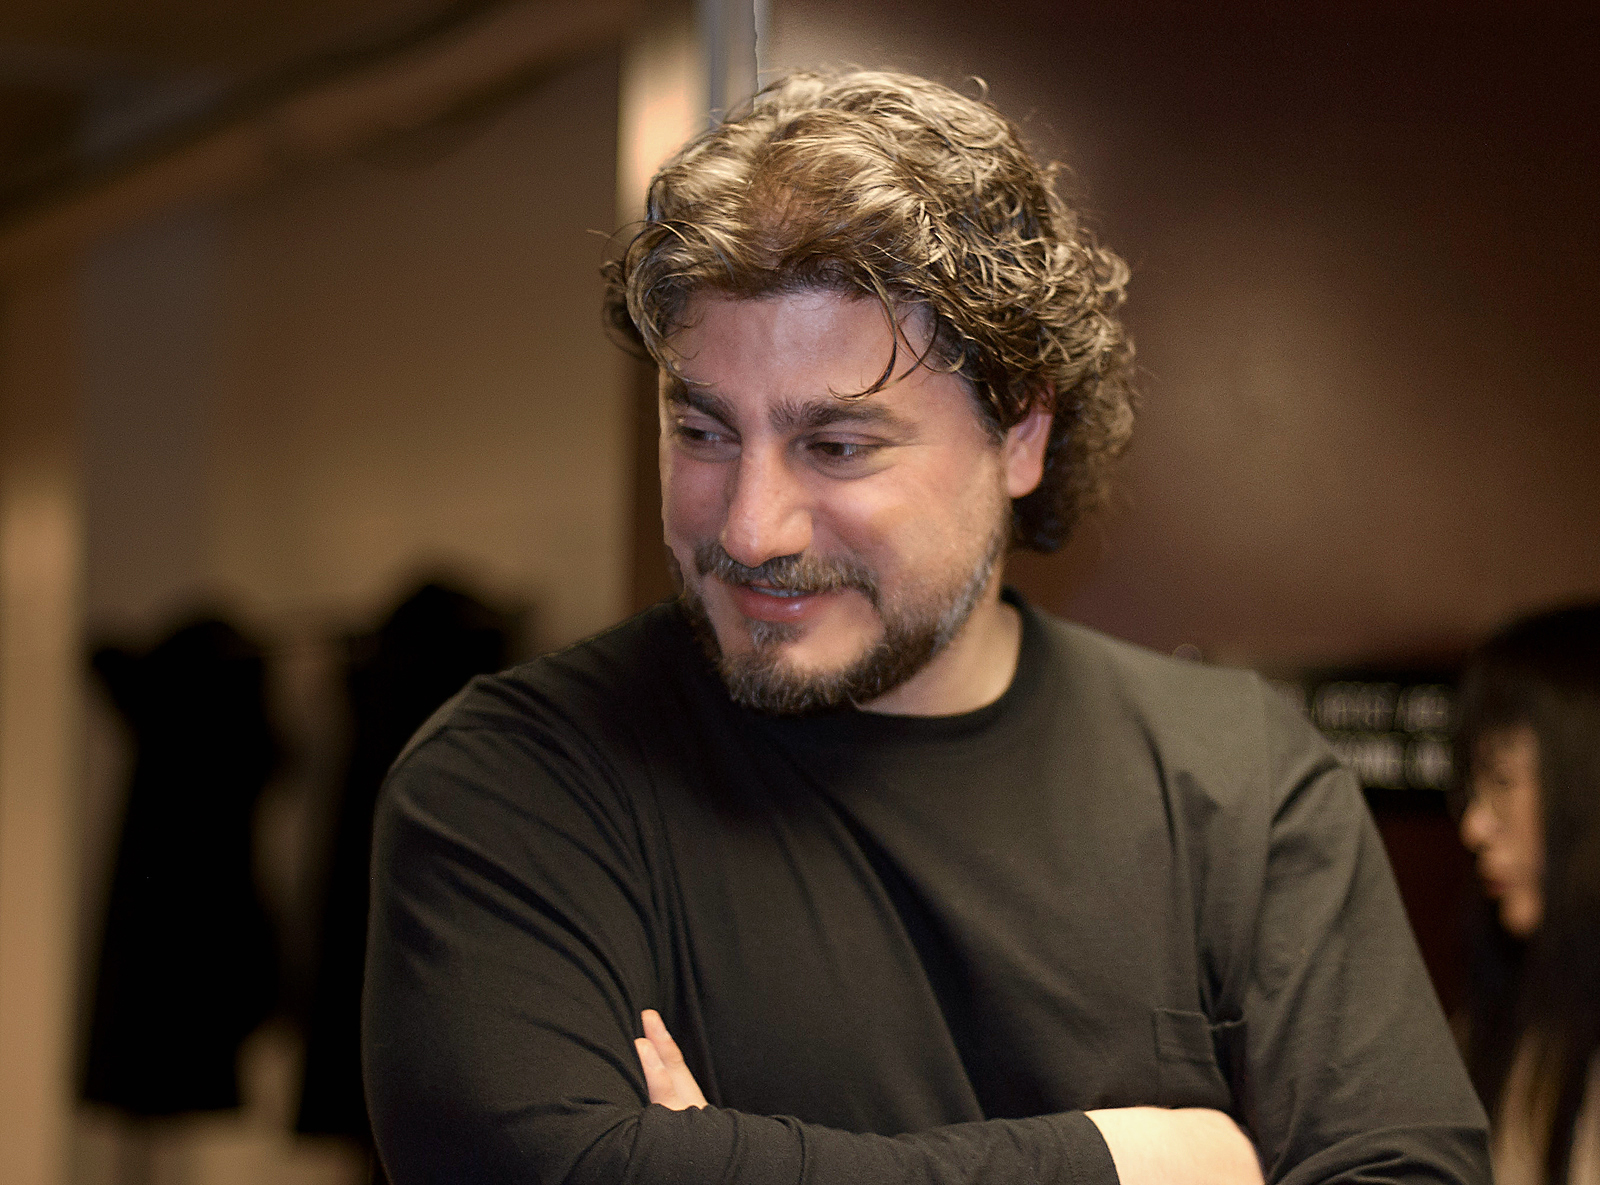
pixel 802 573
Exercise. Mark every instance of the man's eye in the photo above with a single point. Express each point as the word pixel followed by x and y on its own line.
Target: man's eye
pixel 843 450
pixel 693 435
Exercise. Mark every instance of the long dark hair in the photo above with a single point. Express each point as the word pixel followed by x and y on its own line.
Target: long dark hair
pixel 1543 673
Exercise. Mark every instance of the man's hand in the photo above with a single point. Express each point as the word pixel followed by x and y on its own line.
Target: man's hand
pixel 665 1073
pixel 1185 1146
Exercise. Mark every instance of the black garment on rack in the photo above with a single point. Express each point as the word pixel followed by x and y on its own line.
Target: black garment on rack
pixel 435 641
pixel 188 961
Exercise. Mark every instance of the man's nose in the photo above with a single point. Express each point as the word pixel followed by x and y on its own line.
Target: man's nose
pixel 769 512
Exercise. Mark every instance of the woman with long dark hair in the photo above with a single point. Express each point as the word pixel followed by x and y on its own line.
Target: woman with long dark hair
pixel 1528 744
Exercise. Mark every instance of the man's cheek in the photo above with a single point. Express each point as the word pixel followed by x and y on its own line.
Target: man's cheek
pixel 691 508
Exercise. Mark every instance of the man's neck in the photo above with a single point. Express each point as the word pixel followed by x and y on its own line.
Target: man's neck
pixel 970 673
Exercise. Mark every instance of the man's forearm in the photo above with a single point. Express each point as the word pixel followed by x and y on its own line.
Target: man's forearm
pixel 1148 1145
pixel 717 1146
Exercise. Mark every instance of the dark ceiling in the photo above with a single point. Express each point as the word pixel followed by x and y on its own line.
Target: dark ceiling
pixel 87 85
pixel 84 83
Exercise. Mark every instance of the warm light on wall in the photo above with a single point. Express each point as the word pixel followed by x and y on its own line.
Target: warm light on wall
pixel 41 548
pixel 661 106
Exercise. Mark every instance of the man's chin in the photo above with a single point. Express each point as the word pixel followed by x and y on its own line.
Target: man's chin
pixel 768 684
pixel 761 673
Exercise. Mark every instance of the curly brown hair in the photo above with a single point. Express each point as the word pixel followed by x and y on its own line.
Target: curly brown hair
pixel 905 191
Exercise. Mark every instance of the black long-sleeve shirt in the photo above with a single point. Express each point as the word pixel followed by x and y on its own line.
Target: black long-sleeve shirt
pixel 893 949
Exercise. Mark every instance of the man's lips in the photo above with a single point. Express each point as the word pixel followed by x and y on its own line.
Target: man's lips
pixel 765 603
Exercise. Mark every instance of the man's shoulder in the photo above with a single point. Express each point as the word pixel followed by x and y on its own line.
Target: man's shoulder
pixel 591 687
pixel 1137 676
pixel 1186 708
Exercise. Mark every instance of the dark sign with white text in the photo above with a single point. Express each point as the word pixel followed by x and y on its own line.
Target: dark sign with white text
pixel 1392 728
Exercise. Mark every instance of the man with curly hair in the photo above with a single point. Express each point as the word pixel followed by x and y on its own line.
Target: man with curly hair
pixel 847 865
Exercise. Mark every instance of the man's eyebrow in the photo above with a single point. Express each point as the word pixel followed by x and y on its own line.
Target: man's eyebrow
pixel 787 415
pixel 822 413
pixel 699 399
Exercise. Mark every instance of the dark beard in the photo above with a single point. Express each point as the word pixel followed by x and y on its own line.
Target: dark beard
pixel 912 635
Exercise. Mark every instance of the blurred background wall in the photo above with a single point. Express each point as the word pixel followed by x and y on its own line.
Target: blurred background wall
pixel 300 304
pixel 296 399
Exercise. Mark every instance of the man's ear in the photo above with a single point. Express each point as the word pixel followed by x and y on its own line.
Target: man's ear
pixel 1022 451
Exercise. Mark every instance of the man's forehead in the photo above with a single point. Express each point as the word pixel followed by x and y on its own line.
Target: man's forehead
pixel 783 303
pixel 812 341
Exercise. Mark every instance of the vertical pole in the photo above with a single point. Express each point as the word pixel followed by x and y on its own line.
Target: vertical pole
pixel 728 35
pixel 41 547
pixel 663 88
pixel 684 64
pixel 761 14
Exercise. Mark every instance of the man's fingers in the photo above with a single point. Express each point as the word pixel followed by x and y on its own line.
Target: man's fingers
pixel 666 1075
pixel 655 1030
pixel 656 1078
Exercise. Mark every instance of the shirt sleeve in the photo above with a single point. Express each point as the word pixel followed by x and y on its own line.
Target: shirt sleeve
pixel 514 939
pixel 1347 1070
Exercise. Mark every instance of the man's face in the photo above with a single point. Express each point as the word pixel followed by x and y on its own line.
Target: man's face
pixel 829 546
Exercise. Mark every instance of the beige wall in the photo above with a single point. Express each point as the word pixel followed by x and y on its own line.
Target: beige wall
pixel 41 580
pixel 296 402
pixel 1365 295
pixel 413 371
